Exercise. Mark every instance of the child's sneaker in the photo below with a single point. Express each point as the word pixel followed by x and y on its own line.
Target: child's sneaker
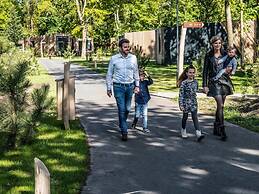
pixel 184 134
pixel 146 130
pixel 133 126
pixel 199 135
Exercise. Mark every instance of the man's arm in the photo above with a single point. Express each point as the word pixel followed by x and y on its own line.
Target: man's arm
pixel 109 78
pixel 136 72
pixel 136 75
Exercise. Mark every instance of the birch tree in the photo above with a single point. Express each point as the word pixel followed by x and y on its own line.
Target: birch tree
pixel 81 5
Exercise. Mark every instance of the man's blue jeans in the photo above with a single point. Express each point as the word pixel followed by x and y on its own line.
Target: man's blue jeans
pixel 123 95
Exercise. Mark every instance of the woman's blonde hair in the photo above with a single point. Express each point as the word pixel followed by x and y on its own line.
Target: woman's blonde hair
pixel 216 38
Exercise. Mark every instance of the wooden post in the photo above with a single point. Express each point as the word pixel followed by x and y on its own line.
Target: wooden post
pixel 181 52
pixel 42 177
pixel 59 95
pixel 66 95
pixel 72 111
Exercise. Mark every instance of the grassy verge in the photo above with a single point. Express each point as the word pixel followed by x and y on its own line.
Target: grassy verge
pixel 165 80
pixel 165 77
pixel 65 153
pixel 43 78
pixel 232 112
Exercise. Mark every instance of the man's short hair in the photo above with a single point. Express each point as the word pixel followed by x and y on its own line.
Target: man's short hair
pixel 122 41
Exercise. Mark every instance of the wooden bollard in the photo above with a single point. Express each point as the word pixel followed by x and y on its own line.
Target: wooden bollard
pixel 42 177
pixel 71 98
pixel 59 96
pixel 66 96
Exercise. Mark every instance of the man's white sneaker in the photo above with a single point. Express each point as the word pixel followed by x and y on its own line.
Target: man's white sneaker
pixel 199 135
pixel 184 134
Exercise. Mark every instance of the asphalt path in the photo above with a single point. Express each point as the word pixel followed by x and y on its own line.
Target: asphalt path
pixel 160 162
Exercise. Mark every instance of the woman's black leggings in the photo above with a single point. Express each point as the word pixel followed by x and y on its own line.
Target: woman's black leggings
pixel 194 119
pixel 219 116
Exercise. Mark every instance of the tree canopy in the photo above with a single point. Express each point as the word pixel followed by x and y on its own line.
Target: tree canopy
pixel 111 18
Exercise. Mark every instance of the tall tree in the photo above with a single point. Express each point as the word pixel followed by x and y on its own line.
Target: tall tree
pixel 46 21
pixel 5 10
pixel 14 27
pixel 81 5
pixel 229 23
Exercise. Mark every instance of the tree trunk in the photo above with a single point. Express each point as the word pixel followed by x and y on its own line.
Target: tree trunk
pixel 80 5
pixel 41 46
pixel 181 52
pixel 242 35
pixel 117 23
pixel 84 35
pixel 229 23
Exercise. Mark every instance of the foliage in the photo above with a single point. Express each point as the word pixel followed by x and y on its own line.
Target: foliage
pixel 112 18
pixel 142 58
pixel 40 103
pixel 255 79
pixel 69 53
pixel 14 85
pixel 15 67
pixel 5 45
pixel 14 27
pixel 5 10
pixel 44 23
pixel 198 64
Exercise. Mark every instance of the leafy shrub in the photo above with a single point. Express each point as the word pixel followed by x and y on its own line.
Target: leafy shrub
pixel 198 64
pixel 16 118
pixel 14 85
pixel 5 45
pixel 69 53
pixel 40 103
pixel 143 60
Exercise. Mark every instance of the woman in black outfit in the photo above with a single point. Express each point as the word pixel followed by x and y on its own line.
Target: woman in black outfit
pixel 217 89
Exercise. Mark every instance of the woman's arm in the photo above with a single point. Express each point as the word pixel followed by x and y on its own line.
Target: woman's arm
pixel 205 74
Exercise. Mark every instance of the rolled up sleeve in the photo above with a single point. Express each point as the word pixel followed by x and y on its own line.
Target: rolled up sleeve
pixel 109 75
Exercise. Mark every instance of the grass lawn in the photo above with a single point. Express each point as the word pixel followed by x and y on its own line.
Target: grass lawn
pixel 165 77
pixel 232 112
pixel 165 80
pixel 65 153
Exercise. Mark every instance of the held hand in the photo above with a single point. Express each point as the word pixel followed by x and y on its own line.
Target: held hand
pixel 136 90
pixel 205 90
pixel 146 73
pixel 109 93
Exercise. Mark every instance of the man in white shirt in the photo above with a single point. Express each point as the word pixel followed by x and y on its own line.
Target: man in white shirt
pixel 123 76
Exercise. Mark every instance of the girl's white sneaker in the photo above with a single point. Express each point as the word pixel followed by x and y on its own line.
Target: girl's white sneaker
pixel 184 134
pixel 199 135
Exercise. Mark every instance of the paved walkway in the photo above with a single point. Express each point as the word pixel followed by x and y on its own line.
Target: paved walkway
pixel 161 162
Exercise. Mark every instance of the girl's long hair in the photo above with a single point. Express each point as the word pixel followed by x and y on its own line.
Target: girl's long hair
pixel 183 75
